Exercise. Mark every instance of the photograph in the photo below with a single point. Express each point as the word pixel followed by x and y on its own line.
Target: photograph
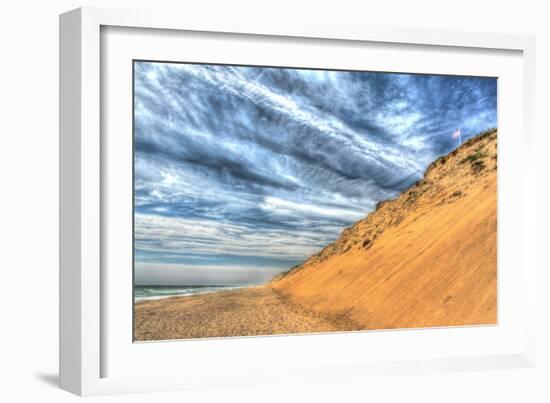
pixel 282 200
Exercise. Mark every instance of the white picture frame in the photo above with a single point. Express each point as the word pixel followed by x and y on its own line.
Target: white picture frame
pixel 82 170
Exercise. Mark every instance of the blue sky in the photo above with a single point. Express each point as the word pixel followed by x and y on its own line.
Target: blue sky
pixel 242 172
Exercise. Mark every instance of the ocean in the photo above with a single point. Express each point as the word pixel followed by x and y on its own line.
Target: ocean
pixel 142 293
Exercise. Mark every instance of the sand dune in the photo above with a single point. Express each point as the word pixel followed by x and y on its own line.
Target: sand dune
pixel 427 258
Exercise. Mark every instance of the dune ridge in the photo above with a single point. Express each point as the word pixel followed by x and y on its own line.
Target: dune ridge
pixel 426 258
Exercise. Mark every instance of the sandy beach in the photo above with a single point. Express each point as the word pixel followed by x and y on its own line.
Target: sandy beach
pixel 245 312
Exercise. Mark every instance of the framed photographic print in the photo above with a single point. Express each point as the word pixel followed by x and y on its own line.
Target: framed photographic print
pixel 237 197
pixel 281 200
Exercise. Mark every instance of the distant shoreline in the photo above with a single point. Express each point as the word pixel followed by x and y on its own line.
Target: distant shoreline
pixel 153 292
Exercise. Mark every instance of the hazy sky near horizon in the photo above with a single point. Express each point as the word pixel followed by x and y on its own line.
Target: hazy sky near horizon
pixel 243 172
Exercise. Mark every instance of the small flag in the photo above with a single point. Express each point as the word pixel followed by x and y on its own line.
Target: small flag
pixel 457 135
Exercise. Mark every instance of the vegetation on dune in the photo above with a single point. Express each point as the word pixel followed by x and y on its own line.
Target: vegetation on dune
pixel 476 155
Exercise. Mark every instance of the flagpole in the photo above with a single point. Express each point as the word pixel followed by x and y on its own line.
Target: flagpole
pixel 457 133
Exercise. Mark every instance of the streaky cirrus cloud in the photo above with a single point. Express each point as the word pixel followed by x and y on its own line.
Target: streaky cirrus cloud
pixel 252 169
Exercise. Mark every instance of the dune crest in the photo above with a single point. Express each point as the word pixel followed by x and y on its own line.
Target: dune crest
pixel 426 258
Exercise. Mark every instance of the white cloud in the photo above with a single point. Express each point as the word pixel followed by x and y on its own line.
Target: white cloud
pixel 181 235
pixel 280 206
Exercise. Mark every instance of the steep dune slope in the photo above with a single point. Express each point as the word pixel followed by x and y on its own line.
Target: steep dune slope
pixel 427 258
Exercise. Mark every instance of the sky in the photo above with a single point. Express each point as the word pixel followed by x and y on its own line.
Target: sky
pixel 242 172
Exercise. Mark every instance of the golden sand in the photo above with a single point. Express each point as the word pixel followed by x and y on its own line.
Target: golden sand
pixel 245 312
